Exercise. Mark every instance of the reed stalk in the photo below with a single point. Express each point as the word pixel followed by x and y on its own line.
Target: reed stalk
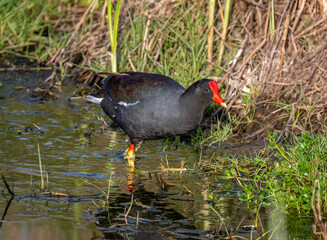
pixel 227 9
pixel 113 32
pixel 272 19
pixel 40 165
pixel 211 27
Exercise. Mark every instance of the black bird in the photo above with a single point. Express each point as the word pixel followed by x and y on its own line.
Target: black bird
pixel 152 106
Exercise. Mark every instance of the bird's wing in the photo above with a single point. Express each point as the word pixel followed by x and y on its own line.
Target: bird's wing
pixel 130 87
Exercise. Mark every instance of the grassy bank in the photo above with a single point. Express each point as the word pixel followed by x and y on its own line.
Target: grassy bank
pixel 26 29
pixel 288 177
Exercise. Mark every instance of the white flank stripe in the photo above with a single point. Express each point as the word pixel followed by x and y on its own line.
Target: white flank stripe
pixel 128 104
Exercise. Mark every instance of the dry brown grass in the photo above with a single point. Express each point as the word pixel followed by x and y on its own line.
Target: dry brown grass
pixel 284 71
pixel 288 66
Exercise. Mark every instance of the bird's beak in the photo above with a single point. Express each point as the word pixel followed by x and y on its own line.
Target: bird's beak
pixel 224 105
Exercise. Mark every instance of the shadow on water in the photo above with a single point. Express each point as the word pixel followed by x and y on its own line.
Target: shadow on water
pixel 83 166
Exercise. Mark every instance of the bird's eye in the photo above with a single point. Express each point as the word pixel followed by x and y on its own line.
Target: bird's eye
pixel 206 90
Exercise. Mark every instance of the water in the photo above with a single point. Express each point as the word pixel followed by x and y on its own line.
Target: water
pixel 82 165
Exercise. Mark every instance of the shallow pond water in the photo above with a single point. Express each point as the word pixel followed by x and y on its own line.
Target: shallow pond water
pixel 82 162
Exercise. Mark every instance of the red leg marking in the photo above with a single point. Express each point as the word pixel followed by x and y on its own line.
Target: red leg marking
pixel 131 148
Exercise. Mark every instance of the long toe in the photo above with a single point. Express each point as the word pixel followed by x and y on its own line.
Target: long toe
pixel 138 145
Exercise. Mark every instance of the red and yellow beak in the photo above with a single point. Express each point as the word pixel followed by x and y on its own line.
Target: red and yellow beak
pixel 216 97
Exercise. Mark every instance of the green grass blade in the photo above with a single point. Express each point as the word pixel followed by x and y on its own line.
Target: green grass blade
pixel 113 30
pixel 40 165
pixel 272 19
pixel 110 22
pixel 117 11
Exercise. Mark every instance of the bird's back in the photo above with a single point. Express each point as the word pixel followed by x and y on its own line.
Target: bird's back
pixel 144 105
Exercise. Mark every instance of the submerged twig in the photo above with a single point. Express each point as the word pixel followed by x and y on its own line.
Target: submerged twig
pixel 103 192
pixel 6 210
pixel 129 209
pixel 6 184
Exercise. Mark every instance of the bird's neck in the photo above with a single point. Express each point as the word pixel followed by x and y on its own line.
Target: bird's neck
pixel 191 105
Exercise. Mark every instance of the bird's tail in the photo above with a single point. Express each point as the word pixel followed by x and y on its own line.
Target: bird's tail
pixel 93 99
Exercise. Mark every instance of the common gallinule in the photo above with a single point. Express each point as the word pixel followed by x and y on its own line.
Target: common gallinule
pixel 152 106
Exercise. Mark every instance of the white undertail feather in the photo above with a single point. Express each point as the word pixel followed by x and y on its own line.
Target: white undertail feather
pixel 93 99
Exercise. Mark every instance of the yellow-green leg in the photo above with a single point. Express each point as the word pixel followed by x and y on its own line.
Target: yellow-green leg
pixel 130 156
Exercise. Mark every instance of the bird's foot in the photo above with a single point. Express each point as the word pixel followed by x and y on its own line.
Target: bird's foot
pixel 138 145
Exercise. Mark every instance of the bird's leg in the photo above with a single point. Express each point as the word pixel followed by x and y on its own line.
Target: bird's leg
pixel 130 155
pixel 133 147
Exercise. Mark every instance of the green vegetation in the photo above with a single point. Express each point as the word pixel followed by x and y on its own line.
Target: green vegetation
pixel 225 21
pixel 287 177
pixel 218 132
pixel 178 55
pixel 288 180
pixel 40 165
pixel 25 29
pixel 113 31
pixel 272 18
